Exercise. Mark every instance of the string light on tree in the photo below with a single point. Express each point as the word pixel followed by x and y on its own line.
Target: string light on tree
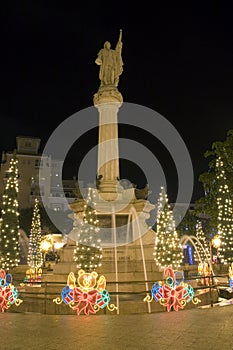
pixel 35 257
pixel 204 254
pixel 9 230
pixel 167 249
pixel 88 252
pixel 225 215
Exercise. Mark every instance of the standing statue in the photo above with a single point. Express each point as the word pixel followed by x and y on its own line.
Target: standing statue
pixel 110 62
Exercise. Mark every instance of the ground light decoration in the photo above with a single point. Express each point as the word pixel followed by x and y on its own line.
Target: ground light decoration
pixel 33 277
pixel 88 252
pixel 9 227
pixel 173 293
pixel 204 273
pixel 8 292
pixel 167 249
pixel 88 296
pixel 225 215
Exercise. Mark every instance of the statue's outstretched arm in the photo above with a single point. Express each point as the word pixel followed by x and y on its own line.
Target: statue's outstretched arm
pixel 119 43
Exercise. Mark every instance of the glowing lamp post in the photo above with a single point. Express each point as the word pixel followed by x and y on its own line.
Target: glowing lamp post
pixel 57 246
pixel 45 246
pixel 216 243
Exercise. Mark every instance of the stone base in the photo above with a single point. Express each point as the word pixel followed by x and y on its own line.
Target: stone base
pixel 107 94
pixel 110 191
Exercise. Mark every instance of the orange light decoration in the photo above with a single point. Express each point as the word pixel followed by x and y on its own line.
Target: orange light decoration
pixel 33 275
pixel 173 293
pixel 204 273
pixel 8 292
pixel 88 296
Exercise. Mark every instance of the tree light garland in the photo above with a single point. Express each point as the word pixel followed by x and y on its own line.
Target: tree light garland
pixel 9 226
pixel 225 215
pixel 35 256
pixel 204 254
pixel 167 249
pixel 88 252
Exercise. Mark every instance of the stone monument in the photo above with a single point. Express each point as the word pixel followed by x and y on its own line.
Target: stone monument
pixel 128 251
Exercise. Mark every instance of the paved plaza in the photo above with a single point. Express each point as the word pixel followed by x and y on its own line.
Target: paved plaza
pixel 207 329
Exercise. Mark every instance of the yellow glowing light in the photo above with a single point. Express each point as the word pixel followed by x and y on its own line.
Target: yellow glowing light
pixel 216 242
pixel 58 245
pixel 45 245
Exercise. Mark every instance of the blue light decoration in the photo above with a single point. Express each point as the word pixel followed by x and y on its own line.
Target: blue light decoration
pixel 190 255
pixel 173 293
pixel 88 296
pixel 8 292
pixel 231 277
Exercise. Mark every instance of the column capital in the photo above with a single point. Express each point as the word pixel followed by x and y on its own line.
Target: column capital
pixel 107 95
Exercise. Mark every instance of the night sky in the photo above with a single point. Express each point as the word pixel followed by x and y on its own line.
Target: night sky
pixel 177 61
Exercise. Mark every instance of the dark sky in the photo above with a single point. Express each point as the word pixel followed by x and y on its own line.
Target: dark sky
pixel 177 61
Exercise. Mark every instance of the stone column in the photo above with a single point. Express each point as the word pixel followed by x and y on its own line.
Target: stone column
pixel 108 102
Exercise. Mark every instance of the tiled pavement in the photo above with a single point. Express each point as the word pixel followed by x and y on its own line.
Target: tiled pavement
pixel 207 329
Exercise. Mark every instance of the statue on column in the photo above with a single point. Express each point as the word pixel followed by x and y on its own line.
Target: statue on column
pixel 110 62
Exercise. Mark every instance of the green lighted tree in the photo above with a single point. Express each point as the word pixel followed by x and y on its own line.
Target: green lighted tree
pixel 9 230
pixel 88 252
pixel 225 215
pixel 207 205
pixel 35 257
pixel 167 249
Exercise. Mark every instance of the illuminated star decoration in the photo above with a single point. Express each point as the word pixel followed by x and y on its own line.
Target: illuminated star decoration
pixel 173 293
pixel 89 296
pixel 8 293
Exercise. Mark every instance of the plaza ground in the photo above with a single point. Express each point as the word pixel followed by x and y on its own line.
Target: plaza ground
pixel 203 328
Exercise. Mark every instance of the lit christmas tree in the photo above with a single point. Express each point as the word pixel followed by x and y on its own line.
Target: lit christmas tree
pixel 204 254
pixel 9 230
pixel 225 215
pixel 35 256
pixel 167 250
pixel 88 252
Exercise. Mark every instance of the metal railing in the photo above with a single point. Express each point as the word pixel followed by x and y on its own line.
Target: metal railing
pixel 45 294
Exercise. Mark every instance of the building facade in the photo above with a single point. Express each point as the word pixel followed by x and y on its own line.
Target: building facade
pixel 51 190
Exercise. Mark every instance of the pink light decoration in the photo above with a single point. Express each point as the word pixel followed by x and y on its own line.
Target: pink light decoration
pixel 87 293
pixel 85 301
pixel 8 293
pixel 173 294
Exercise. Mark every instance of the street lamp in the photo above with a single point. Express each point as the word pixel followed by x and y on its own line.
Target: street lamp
pixel 57 246
pixel 45 246
pixel 214 243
